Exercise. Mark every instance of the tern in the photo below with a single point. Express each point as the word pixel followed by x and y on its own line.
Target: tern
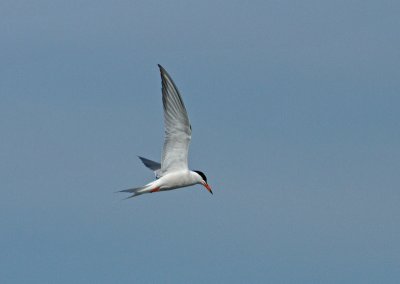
pixel 173 171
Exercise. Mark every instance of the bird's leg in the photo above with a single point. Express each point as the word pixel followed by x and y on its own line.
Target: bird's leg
pixel 155 189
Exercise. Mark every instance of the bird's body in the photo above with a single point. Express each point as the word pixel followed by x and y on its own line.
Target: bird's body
pixel 173 171
pixel 178 179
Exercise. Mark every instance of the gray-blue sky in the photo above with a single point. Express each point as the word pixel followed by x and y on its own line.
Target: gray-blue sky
pixel 295 114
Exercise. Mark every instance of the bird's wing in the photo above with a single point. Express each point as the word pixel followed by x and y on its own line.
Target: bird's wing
pixel 150 164
pixel 154 166
pixel 177 127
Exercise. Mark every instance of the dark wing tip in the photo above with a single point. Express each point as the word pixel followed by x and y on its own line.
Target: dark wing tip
pixel 163 72
pixel 161 68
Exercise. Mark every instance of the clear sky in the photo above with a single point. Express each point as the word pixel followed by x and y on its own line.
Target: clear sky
pixel 295 113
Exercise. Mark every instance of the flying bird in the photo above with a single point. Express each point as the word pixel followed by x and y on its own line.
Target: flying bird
pixel 173 171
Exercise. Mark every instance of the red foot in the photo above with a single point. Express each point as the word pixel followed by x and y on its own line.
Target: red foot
pixel 155 190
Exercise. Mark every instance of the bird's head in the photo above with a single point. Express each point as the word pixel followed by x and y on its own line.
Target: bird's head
pixel 203 180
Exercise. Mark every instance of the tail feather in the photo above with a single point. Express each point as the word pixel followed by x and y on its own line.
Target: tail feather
pixel 138 190
pixel 131 190
pixel 134 190
pixel 133 195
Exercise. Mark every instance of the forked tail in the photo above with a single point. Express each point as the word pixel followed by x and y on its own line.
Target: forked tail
pixel 135 191
pixel 138 190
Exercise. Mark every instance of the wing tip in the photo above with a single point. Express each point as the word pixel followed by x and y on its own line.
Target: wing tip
pixel 162 70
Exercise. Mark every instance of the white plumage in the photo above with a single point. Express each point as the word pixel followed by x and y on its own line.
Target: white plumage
pixel 173 172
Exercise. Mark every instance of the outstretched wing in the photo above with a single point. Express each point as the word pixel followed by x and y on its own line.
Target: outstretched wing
pixel 177 127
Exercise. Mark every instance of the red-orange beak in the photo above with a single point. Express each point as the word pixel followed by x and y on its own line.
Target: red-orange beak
pixel 207 186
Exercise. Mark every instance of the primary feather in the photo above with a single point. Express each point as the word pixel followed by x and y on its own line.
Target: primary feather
pixel 177 127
